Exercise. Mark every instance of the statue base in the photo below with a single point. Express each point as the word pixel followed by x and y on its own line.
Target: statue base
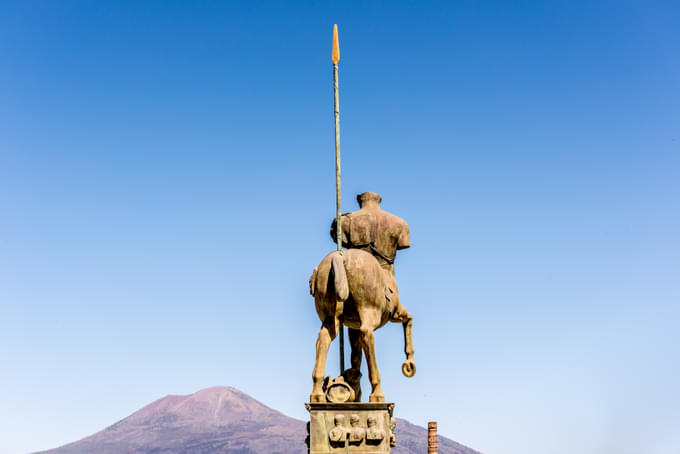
pixel 350 427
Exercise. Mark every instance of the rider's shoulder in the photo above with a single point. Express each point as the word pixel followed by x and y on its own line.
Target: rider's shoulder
pixel 396 220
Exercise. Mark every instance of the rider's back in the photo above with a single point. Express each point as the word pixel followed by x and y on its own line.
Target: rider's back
pixel 374 230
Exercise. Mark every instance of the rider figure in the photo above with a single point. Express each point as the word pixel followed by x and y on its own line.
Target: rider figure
pixel 374 230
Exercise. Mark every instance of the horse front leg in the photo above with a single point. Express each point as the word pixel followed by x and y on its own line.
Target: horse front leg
pixel 408 368
pixel 368 342
pixel 326 335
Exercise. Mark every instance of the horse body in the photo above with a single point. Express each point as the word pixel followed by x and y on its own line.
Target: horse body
pixel 351 288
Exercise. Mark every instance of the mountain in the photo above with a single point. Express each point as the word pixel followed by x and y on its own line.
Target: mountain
pixel 222 420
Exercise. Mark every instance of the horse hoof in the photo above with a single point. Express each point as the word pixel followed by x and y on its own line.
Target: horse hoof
pixel 318 397
pixel 376 398
pixel 408 368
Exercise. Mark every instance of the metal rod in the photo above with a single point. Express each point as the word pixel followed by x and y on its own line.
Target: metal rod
pixel 336 104
pixel 335 57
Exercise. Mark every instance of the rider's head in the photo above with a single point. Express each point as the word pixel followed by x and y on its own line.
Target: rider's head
pixel 368 198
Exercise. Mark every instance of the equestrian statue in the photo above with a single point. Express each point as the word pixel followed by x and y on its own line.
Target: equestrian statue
pixel 355 287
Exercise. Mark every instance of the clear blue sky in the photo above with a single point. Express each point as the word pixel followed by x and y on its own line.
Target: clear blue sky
pixel 166 188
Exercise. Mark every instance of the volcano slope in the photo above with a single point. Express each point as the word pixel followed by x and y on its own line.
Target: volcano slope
pixel 222 420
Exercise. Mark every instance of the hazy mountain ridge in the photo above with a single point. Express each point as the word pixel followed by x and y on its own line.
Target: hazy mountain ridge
pixel 222 420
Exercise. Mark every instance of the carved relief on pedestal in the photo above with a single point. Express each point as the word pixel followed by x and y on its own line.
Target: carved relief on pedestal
pixel 374 434
pixel 356 433
pixel 337 434
pixel 350 428
pixel 393 436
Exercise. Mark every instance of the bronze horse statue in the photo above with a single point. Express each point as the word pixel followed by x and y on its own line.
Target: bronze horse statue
pixel 351 288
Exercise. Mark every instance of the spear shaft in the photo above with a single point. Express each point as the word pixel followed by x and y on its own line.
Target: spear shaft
pixel 338 216
pixel 335 57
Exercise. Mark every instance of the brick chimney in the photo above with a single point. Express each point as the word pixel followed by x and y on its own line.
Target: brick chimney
pixel 432 443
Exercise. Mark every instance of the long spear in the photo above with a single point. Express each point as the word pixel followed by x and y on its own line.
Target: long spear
pixel 335 57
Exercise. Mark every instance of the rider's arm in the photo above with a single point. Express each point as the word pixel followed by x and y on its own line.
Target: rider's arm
pixel 404 238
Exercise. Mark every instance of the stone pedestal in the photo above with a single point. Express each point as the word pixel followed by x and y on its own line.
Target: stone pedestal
pixel 351 427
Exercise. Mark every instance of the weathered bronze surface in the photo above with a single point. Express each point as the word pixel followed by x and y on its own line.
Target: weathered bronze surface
pixel 357 428
pixel 356 288
pixel 339 391
pixel 374 230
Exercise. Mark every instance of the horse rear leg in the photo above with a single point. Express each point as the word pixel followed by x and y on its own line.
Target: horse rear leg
pixel 327 333
pixel 353 375
pixel 368 342
pixel 408 368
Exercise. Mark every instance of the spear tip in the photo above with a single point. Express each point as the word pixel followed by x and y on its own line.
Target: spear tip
pixel 336 46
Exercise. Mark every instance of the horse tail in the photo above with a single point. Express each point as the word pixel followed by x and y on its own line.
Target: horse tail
pixel 312 281
pixel 340 277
